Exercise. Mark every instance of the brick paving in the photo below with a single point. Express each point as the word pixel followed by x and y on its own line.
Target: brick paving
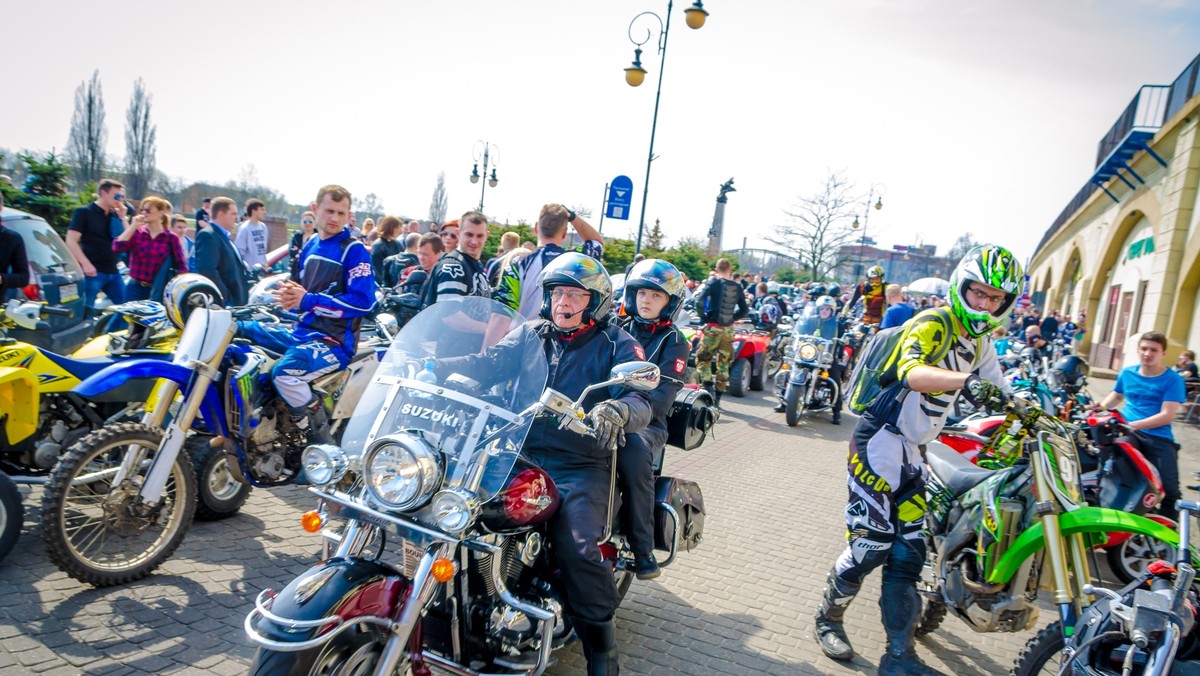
pixel 739 604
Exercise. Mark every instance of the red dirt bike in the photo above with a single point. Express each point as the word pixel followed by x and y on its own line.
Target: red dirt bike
pixel 1114 474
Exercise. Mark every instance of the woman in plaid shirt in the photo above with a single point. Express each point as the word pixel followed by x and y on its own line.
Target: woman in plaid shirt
pixel 149 242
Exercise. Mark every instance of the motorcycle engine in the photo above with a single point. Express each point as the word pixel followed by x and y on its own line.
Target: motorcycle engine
pixel 509 629
pixel 267 449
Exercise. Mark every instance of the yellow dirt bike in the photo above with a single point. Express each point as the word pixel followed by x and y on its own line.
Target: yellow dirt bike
pixel 40 416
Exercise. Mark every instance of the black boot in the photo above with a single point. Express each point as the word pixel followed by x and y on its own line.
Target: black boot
pixel 645 567
pixel 828 632
pixel 712 391
pixel 780 407
pixel 599 640
pixel 717 398
pixel 900 604
pixel 312 420
pixel 837 417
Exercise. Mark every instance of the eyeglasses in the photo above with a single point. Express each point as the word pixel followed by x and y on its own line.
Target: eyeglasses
pixel 306 222
pixel 118 197
pixel 980 294
pixel 570 294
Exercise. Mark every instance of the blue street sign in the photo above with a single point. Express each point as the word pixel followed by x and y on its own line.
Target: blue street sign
pixel 620 198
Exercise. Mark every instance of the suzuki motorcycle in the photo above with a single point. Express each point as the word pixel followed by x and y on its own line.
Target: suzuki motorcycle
pixel 444 559
pixel 1145 628
pixel 121 500
pixel 994 537
pixel 804 383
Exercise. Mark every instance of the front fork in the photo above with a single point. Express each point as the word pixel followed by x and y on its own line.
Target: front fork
pixel 423 587
pixel 1068 578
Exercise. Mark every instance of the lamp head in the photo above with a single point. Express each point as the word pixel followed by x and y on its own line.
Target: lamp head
pixel 878 204
pixel 475 173
pixel 695 15
pixel 855 223
pixel 493 180
pixel 635 74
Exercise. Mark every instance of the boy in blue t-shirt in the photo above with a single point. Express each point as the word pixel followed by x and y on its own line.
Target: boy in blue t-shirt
pixel 1152 395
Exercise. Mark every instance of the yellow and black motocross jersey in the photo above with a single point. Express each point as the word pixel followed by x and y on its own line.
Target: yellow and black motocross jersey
pixel 920 416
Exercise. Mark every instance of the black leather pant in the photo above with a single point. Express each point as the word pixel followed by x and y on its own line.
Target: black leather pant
pixel 635 477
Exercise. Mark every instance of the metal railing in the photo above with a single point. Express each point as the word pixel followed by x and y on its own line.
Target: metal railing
pixel 1146 112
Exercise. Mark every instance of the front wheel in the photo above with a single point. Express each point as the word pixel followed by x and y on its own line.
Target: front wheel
pixel 354 652
pixel 12 515
pixel 101 533
pixel 220 495
pixel 792 407
pixel 1042 654
pixel 932 614
pixel 1128 560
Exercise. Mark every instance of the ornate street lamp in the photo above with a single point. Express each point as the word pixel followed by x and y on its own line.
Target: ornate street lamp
pixel 862 247
pixel 635 74
pixel 485 147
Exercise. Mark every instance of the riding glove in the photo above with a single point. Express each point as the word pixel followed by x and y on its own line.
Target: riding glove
pixel 608 419
pixel 983 393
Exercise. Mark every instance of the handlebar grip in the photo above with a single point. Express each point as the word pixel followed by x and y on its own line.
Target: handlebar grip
pixel 55 310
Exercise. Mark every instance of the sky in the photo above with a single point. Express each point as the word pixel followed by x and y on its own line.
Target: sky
pixel 968 115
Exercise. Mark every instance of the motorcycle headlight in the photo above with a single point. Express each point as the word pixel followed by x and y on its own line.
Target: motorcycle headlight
pixel 453 510
pixel 402 471
pixel 807 351
pixel 826 358
pixel 323 464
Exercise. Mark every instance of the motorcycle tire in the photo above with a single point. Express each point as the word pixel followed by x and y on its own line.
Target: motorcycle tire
pixel 932 614
pixel 774 362
pixel 793 408
pixel 75 516
pixel 739 378
pixel 1128 560
pixel 354 651
pixel 12 515
pixel 218 494
pixel 758 381
pixel 1042 654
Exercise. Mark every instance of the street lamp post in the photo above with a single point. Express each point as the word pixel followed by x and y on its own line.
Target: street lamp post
pixel 862 247
pixel 475 175
pixel 635 75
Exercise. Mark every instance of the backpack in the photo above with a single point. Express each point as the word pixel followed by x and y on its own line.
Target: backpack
pixel 875 370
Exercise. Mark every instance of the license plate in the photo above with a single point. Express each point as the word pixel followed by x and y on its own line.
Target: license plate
pixel 68 293
pixel 412 557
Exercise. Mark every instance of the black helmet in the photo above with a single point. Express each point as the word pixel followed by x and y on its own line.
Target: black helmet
pixel 1073 369
pixel 818 290
pixel 657 274
pixel 834 290
pixel 581 272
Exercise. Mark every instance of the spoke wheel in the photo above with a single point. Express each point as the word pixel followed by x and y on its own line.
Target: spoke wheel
pixel 101 533
pixel 1042 654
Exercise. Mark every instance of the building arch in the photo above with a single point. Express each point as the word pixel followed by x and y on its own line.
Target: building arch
pixel 1183 312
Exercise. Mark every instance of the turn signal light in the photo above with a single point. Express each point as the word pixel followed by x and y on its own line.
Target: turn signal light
pixel 311 521
pixel 443 570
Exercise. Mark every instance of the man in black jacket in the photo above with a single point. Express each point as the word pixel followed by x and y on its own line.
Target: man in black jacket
pixel 581 347
pixel 14 263
pixel 722 303
pixel 216 256
pixel 653 291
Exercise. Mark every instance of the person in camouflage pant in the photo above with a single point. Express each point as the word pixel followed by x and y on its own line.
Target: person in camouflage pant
pixel 716 342
pixel 720 304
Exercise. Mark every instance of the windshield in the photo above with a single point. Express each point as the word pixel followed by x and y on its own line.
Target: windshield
pixel 436 382
pixel 45 249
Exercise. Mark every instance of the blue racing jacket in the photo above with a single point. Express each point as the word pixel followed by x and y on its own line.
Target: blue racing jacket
pixel 337 274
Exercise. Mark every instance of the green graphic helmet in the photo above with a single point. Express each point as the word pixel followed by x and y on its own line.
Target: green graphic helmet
pixel 582 272
pixel 993 266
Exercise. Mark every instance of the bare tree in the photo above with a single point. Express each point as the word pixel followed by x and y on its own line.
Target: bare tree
pixel 819 227
pixel 369 207
pixel 88 138
pixel 140 137
pixel 961 246
pixel 247 178
pixel 441 201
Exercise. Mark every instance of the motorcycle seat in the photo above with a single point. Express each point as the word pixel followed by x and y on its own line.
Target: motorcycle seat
pixel 80 368
pixel 953 470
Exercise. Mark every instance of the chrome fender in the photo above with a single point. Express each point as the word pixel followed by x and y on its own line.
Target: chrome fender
pixel 1082 520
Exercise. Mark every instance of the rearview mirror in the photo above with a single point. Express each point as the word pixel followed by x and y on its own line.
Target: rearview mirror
pixel 637 375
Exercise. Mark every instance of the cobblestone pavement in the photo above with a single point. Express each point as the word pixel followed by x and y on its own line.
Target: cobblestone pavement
pixel 741 603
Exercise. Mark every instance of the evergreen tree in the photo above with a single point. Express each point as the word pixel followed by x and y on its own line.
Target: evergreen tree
pixel 88 138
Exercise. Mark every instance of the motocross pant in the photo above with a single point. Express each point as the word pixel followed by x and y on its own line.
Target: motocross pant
pixel 302 361
pixel 575 532
pixel 716 341
pixel 635 476
pixel 886 511
pixel 1161 452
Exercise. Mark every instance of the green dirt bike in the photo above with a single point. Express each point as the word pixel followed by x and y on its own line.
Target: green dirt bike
pixel 994 537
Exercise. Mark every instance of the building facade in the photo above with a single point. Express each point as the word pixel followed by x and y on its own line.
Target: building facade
pixel 1125 250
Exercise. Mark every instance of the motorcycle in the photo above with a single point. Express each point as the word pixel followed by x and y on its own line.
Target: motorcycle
pixel 994 537
pixel 804 384
pixel 42 415
pixel 1148 626
pixel 1113 474
pixel 122 499
pixel 435 470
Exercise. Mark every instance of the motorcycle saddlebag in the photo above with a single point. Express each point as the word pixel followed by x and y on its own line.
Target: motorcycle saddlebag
pixel 684 497
pixel 690 419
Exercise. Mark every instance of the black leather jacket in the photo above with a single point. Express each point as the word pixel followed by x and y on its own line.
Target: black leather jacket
pixel 665 346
